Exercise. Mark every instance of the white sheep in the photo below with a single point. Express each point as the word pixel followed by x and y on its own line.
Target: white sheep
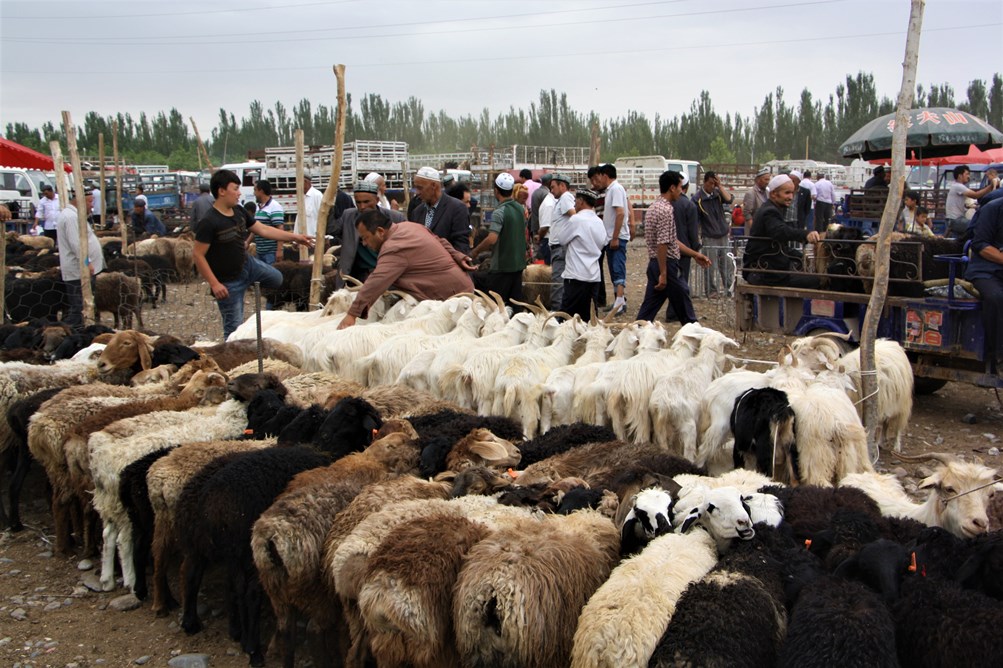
pixel 720 510
pixel 675 399
pixel 959 493
pixel 716 404
pixel 624 619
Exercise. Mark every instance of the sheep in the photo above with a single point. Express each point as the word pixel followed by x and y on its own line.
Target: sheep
pixel 220 513
pixel 623 620
pixel 674 402
pixel 836 621
pixel 702 631
pixel 28 298
pixel 517 598
pixel 17 420
pixel 959 494
pixel 557 392
pixel 120 295
pixel 716 443
pixel 134 495
pixel 649 517
pixel 763 423
pixel 114 447
pixel 478 448
pixel 720 510
pixel 561 439
pixel 165 481
pixel 895 388
pixel 287 540
pixel 598 460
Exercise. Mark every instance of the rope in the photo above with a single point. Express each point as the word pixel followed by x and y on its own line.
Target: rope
pixel 863 399
pixel 751 361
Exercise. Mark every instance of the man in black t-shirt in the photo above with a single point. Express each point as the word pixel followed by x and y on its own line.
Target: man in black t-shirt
pixel 220 255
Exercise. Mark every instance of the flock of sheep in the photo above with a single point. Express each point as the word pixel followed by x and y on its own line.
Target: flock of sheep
pixel 449 484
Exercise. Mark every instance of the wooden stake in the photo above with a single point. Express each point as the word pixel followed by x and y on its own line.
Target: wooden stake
pixel 57 165
pixel 205 154
pixel 123 228
pixel 101 189
pixel 82 228
pixel 594 145
pixel 332 188
pixel 868 379
pixel 300 195
pixel 405 179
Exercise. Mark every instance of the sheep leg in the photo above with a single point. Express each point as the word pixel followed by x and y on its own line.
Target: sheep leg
pixel 22 464
pixel 110 536
pixel 92 528
pixel 162 598
pixel 235 587
pixel 192 571
pixel 285 634
pixel 139 315
pixel 61 517
pixel 126 550
pixel 140 560
pixel 252 629
pixel 688 437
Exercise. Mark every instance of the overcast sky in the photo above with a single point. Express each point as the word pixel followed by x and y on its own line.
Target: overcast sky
pixel 611 56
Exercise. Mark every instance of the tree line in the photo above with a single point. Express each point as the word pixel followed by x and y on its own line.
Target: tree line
pixel 775 129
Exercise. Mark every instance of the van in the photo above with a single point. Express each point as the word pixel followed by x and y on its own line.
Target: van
pixel 249 173
pixel 20 189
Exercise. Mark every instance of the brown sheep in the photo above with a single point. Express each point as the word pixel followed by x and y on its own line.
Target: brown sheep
pixel 38 243
pixel 536 282
pixel 184 257
pixel 288 539
pixel 482 448
pixel 517 598
pixel 120 295
pixel 130 348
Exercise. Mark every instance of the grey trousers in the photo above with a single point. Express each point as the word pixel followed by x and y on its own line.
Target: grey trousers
pixel 557 281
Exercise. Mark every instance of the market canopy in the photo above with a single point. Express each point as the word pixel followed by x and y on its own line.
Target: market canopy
pixel 974 156
pixel 13 154
pixel 933 132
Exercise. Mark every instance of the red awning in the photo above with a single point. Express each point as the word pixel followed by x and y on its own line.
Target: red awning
pixel 975 156
pixel 13 154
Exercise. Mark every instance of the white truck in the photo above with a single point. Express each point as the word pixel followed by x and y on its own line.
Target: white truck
pixel 639 176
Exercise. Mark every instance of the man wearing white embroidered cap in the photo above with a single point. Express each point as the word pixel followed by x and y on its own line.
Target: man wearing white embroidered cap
pixel 507 242
pixel 443 215
pixel 767 251
pixel 381 184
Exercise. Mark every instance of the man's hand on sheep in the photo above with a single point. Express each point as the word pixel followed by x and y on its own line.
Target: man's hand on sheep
pixel 304 240
pixel 347 321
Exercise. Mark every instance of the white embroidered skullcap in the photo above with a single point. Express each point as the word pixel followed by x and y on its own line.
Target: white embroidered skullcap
pixel 430 173
pixel 778 180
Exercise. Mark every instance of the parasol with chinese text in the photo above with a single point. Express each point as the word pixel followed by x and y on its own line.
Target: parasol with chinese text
pixel 933 132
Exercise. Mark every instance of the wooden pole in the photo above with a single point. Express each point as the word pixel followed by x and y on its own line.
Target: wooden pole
pixel 57 165
pixel 101 176
pixel 868 377
pixel 594 145
pixel 405 179
pixel 123 228
pixel 300 195
pixel 198 137
pixel 82 228
pixel 332 188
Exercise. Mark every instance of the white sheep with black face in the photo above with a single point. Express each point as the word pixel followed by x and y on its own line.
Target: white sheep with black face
pixel 651 515
pixel 721 511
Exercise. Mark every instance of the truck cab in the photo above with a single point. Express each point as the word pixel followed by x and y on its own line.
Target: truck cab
pixel 249 173
pixel 20 189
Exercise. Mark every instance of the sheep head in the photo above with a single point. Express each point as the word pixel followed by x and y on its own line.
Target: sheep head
pixel 764 508
pixel 125 350
pixel 245 386
pixel 482 448
pixel 205 387
pixel 650 515
pixel 477 480
pixel 960 493
pixel 349 427
pixel 154 376
pixel 816 352
pixel 721 511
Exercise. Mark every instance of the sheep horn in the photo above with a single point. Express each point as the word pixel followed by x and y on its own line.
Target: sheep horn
pixel 488 301
pixel 400 293
pixel 539 302
pixel 593 317
pixel 942 457
pixel 566 316
pixel 834 335
pixel 352 279
pixel 498 300
pixel 466 294
pixel 532 308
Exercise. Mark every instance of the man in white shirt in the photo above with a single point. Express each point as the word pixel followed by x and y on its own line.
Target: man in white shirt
pixel 809 185
pixel 825 197
pixel 564 209
pixel 96 207
pixel 954 208
pixel 615 220
pixel 312 198
pixel 140 196
pixel 47 212
pixel 582 238
pixel 68 242
pixel 544 216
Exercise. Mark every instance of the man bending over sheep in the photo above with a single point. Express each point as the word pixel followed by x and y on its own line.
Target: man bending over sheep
pixel 220 256
pixel 410 258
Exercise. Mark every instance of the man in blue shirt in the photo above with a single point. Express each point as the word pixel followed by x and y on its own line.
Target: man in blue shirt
pixel 144 222
pixel 985 271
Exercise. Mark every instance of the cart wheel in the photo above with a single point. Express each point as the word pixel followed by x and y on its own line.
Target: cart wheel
pixel 923 385
pixel 844 346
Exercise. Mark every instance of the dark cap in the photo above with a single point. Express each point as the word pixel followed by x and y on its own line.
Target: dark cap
pixel 590 196
pixel 546 178
pixel 46 187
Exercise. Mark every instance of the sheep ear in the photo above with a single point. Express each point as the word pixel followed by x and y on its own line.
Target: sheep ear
pixel 490 451
pixel 932 482
pixel 973 565
pixel 847 568
pixel 692 517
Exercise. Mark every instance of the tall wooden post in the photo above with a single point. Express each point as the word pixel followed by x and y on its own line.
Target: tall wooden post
pixel 82 228
pixel 301 196
pixel 594 145
pixel 198 138
pixel 123 228
pixel 101 176
pixel 332 188
pixel 406 180
pixel 868 375
pixel 57 165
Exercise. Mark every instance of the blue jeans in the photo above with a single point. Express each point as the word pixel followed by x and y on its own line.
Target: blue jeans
pixel 616 258
pixel 269 259
pixel 232 306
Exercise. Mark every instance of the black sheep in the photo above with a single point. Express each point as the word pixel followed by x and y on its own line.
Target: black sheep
pixel 171 352
pixel 135 496
pixel 302 428
pixel 839 622
pixel 439 432
pixel 561 439
pixel 28 335
pixel 260 411
pixel 757 416
pixel 27 298
pixel 349 427
pixel 17 418
pixel 246 385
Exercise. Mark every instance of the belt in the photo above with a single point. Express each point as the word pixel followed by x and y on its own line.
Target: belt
pixel 555 245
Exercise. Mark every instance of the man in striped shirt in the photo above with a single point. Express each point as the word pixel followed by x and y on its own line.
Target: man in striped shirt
pixel 663 255
pixel 269 213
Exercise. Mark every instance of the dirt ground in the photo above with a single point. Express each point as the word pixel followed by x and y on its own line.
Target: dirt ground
pixel 48 617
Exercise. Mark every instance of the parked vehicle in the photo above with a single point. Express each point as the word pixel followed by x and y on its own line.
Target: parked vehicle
pixel 20 189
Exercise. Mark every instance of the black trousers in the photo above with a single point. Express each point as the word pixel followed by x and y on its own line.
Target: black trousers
pixel 601 290
pixel 991 291
pixel 51 234
pixel 675 291
pixel 508 284
pixel 579 297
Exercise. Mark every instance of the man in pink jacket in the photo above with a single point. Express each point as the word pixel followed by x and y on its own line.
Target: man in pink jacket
pixel 410 259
